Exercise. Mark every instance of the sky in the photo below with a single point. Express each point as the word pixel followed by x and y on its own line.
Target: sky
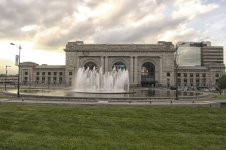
pixel 42 28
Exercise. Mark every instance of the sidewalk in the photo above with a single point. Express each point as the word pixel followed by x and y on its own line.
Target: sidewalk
pixel 150 103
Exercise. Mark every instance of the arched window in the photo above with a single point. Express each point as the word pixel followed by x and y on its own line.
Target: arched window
pixel 90 64
pixel 119 65
pixel 147 74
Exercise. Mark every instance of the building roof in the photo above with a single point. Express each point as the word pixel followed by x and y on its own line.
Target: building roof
pixel 192 68
pixel 50 67
pixel 80 46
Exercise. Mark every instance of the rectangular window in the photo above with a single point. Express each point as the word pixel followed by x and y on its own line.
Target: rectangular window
pixel 197 74
pixel 203 75
pixel 185 74
pixel 37 73
pixel 60 79
pixel 55 73
pixel 168 80
pixel 168 74
pixel 191 74
pixel 49 73
pixel 43 73
pixel 37 78
pixel 43 79
pixel 204 81
pixel 217 75
pixel 70 73
pixel 61 73
pixel 26 73
pixel 54 80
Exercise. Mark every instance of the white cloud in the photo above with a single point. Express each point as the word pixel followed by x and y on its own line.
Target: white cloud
pixel 49 25
pixel 192 8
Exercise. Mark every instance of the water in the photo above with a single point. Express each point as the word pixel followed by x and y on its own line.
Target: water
pixel 94 81
pixel 144 92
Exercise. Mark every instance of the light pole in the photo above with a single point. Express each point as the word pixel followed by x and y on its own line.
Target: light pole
pixel 18 84
pixel 6 75
pixel 176 67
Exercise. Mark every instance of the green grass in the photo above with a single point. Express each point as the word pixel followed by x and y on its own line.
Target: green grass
pixel 108 127
pixel 3 96
pixel 217 96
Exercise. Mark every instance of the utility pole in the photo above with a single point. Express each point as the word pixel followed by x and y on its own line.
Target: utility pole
pixel 18 84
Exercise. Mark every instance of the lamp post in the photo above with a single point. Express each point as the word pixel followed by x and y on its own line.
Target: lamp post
pixel 6 75
pixel 18 84
pixel 176 67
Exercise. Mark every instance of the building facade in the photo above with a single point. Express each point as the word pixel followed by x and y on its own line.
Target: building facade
pixel 32 74
pixel 201 64
pixel 148 64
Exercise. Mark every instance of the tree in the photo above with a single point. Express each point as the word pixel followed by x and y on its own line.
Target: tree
pixel 222 83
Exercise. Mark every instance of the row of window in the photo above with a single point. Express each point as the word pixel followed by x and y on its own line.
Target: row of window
pixel 197 83
pixel 191 80
pixel 49 79
pixel 186 74
pixel 196 74
pixel 192 74
pixel 50 73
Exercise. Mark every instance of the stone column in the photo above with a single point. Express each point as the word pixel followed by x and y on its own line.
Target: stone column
pixel 77 62
pixel 75 68
pixel 136 70
pixel 106 64
pixel 131 72
pixel 160 70
pixel 102 62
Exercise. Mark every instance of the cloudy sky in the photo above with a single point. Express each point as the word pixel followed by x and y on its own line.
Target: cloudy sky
pixel 44 27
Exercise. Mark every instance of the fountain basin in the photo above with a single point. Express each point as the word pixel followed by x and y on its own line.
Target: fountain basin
pixel 139 94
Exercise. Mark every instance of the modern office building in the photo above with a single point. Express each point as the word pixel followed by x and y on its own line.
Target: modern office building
pixel 200 64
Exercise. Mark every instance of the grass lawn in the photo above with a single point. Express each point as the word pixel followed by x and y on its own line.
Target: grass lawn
pixel 110 127
pixel 217 96
pixel 3 96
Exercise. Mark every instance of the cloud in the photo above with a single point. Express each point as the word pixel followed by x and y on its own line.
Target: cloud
pixel 51 24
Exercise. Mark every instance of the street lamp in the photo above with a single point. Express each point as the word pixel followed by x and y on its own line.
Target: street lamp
pixel 18 84
pixel 176 64
pixel 6 75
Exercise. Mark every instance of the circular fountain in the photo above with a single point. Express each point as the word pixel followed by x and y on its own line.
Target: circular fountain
pixel 93 85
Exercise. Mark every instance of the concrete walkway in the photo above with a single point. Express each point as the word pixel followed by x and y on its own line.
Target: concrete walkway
pixel 193 103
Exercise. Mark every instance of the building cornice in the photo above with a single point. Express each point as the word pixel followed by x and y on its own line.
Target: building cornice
pixel 73 46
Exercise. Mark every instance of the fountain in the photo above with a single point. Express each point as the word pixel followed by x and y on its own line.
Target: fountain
pixel 94 81
pixel 93 85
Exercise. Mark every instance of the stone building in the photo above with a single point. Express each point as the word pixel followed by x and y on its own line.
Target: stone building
pixel 45 75
pixel 148 64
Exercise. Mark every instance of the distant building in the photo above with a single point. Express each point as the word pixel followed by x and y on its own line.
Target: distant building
pixel 10 80
pixel 45 75
pixel 149 64
pixel 200 64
